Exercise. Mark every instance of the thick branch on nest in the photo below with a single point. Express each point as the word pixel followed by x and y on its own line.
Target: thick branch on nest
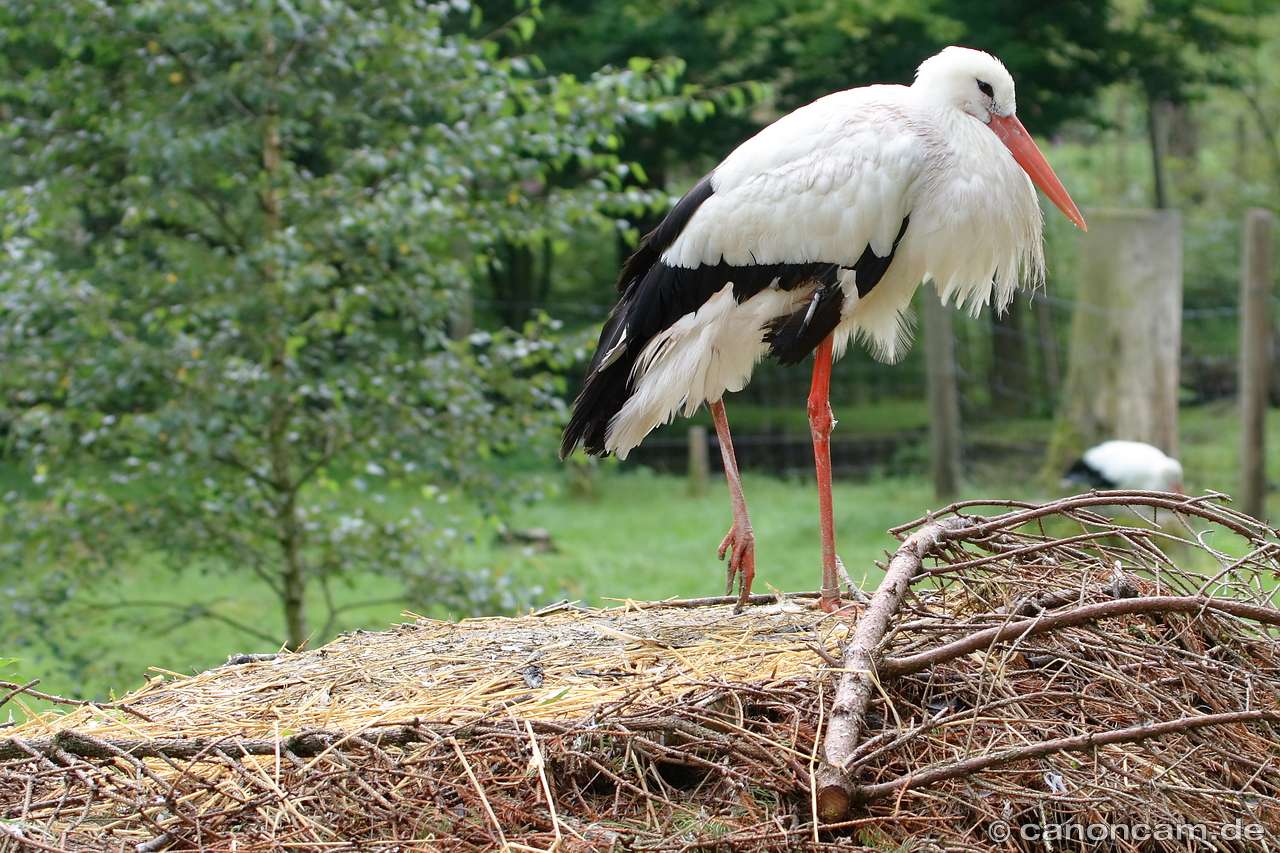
pixel 303 745
pixel 859 674
pixel 15 689
pixel 1083 615
pixel 672 732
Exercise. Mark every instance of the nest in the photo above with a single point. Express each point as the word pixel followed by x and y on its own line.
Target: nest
pixel 1045 678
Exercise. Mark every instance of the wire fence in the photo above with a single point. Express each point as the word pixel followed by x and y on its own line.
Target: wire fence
pixel 1010 368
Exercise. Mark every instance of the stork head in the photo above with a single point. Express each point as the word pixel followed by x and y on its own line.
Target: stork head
pixel 974 81
pixel 978 84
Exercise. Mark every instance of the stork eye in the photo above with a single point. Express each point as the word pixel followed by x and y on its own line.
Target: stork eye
pixel 985 88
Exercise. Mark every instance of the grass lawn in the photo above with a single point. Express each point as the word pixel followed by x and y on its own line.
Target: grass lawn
pixel 639 536
pixel 147 619
pixel 644 537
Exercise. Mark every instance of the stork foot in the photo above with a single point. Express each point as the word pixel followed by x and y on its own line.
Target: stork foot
pixel 739 546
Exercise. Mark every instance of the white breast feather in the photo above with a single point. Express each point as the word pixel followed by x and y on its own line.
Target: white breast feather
pixel 983 223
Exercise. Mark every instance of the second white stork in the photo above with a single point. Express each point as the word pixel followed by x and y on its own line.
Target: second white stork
pixel 1126 465
pixel 812 233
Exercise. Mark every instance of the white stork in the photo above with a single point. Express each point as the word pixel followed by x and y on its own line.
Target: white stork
pixel 815 231
pixel 1126 465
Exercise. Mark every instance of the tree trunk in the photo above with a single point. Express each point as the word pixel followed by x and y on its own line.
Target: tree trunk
pixel 1010 379
pixel 1122 379
pixel 294 598
pixel 944 396
pixel 1048 348
pixel 293 586
pixel 1255 347
pixel 1155 110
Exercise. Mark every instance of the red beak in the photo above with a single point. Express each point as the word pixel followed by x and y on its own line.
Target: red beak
pixel 1016 138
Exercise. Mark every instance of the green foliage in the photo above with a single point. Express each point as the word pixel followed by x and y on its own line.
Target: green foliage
pixel 240 245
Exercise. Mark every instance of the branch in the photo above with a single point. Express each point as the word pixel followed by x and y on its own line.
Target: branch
pixel 326 630
pixel 190 71
pixel 511 23
pixel 1237 522
pixel 218 214
pixel 233 460
pixel 313 742
pixel 197 611
pixel 859 674
pixel 1084 742
pixel 244 555
pixel 331 449
pixel 861 670
pixel 15 689
pixel 898 666
pixel 306 744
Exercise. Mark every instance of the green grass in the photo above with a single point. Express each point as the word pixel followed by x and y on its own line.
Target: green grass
pixel 147 617
pixel 644 537
pixel 639 536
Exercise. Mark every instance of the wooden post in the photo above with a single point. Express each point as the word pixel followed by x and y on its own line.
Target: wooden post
pixel 1122 378
pixel 1010 379
pixel 1048 347
pixel 699 462
pixel 1255 346
pixel 944 396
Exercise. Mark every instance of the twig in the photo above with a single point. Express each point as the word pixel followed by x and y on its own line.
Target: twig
pixel 15 689
pixel 156 844
pixel 16 833
pixel 1236 522
pixel 898 666
pixel 546 786
pixel 19 688
pixel 475 783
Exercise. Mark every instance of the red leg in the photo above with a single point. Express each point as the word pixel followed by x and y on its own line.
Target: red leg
pixel 820 425
pixel 740 542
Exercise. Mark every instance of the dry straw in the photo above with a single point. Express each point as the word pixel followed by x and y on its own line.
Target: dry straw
pixel 1046 672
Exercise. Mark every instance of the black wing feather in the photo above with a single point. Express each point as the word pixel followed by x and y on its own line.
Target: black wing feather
pixel 793 337
pixel 655 296
pixel 1085 474
pixel 639 315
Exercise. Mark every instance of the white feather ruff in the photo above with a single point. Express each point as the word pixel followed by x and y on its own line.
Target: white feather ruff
pixel 695 360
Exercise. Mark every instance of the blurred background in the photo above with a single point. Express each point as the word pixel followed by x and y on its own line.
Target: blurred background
pixel 294 299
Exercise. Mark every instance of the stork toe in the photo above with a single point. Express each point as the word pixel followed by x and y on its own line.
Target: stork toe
pixel 739 546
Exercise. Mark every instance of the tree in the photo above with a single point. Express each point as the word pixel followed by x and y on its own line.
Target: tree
pixel 237 237
pixel 1173 50
pixel 577 37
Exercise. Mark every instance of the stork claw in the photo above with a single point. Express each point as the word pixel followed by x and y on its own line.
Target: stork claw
pixel 740 546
